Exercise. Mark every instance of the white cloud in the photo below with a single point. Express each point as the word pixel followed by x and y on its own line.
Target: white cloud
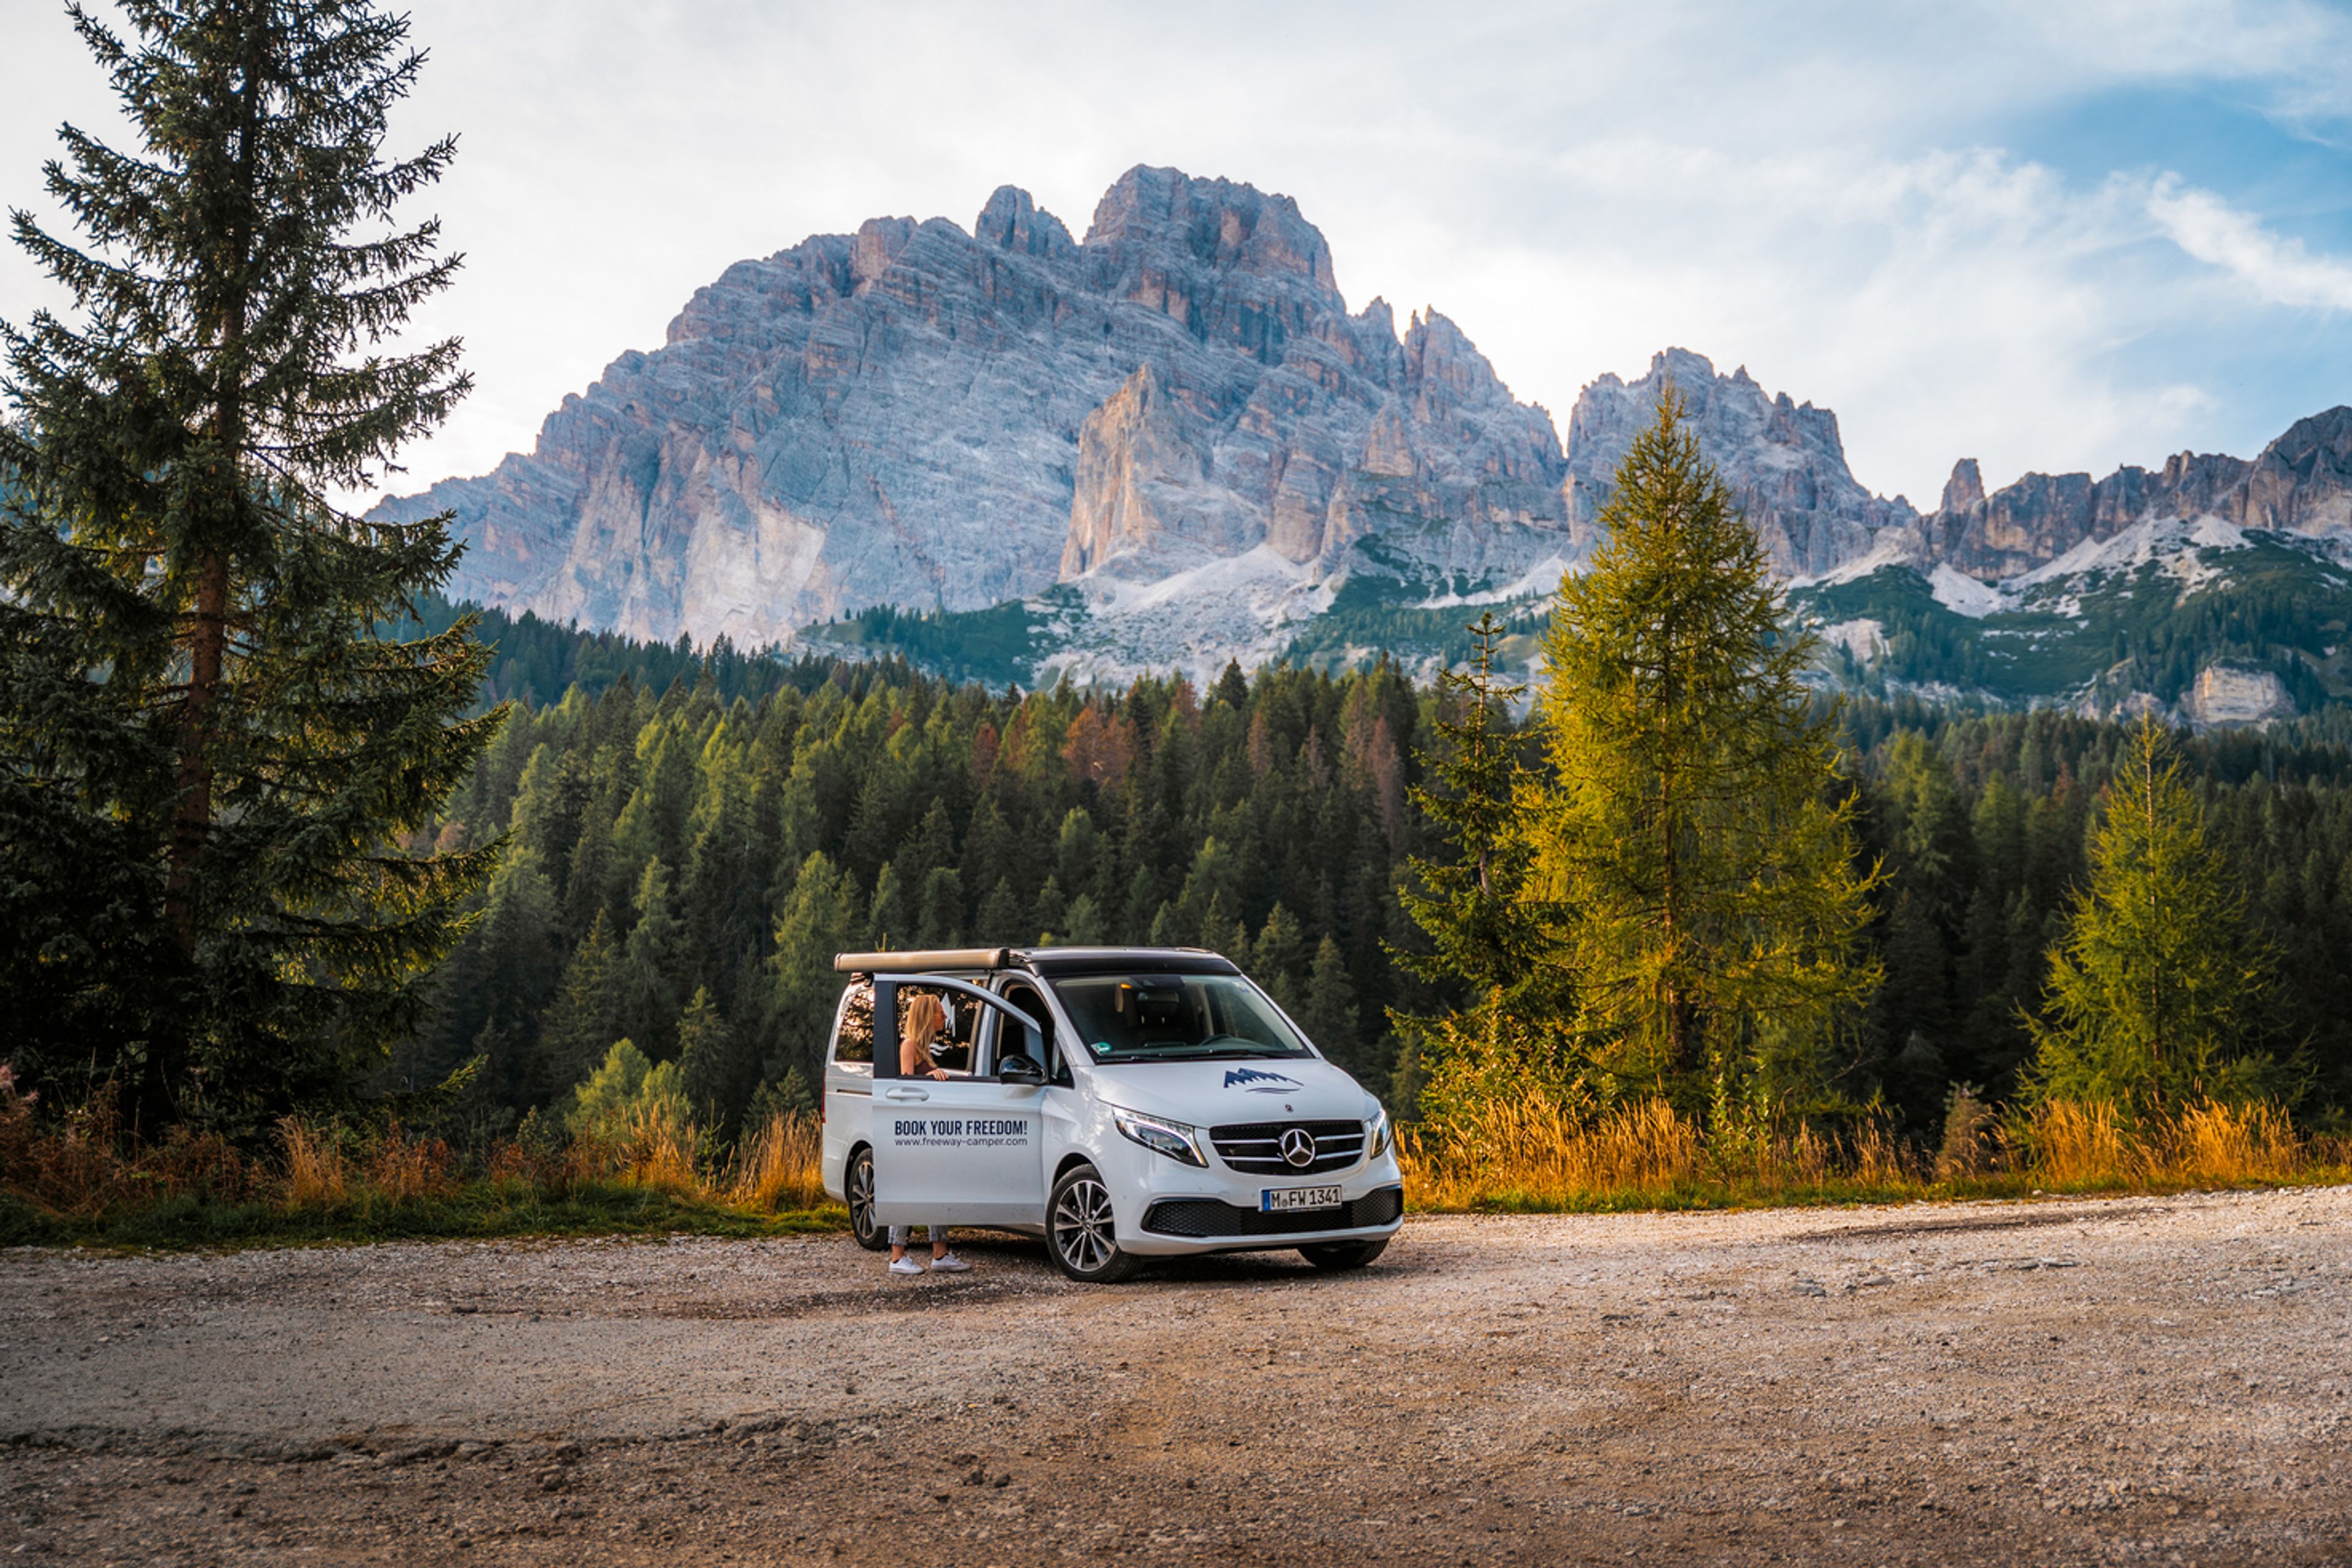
pixel 1945 305
pixel 2279 270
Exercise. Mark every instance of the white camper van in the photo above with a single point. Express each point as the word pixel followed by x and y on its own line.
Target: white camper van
pixel 1123 1103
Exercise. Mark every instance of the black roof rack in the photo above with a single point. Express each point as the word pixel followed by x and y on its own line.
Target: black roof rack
pixel 1052 961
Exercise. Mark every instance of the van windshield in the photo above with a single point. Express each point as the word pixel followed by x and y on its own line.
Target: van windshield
pixel 1174 1017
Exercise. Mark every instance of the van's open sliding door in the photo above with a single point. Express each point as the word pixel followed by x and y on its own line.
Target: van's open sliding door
pixel 964 1150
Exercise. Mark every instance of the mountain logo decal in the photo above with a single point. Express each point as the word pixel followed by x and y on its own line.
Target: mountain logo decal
pixel 1257 1082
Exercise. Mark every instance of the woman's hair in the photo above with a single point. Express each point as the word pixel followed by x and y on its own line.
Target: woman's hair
pixel 926 1019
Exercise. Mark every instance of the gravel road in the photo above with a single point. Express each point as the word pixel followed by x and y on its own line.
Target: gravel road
pixel 2151 1379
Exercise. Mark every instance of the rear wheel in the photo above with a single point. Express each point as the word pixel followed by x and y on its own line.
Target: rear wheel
pixel 859 1184
pixel 1079 1232
pixel 1343 1254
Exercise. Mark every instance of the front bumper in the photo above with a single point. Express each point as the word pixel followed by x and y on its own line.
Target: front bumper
pixel 1177 1210
pixel 1214 1220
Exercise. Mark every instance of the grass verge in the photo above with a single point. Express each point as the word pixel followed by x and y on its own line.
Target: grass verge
pixel 75 1184
pixel 78 1182
pixel 1533 1158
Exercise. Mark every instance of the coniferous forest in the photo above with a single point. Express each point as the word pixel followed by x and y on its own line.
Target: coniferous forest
pixel 689 842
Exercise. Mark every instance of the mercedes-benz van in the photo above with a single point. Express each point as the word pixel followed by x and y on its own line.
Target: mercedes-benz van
pixel 1123 1103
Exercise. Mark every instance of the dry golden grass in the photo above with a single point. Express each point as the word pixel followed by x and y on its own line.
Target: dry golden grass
pixel 1534 1154
pixel 2070 1145
pixel 653 1149
pixel 1514 1155
pixel 81 1164
pixel 1530 1155
pixel 781 1166
pixel 2233 1144
pixel 2079 1146
pixel 75 1175
pixel 401 1167
pixel 1875 1157
pixel 316 1170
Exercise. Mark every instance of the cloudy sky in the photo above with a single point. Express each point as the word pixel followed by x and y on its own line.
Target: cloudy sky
pixel 2049 237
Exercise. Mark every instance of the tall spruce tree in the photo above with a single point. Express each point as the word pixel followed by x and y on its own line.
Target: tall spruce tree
pixel 1692 845
pixel 583 1018
pixel 2157 988
pixel 1484 936
pixel 212 750
pixel 1481 929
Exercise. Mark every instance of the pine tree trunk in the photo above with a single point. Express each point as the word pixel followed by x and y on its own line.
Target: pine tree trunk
pixel 192 821
pixel 2155 979
pixel 192 817
pixel 1677 1006
pixel 151 1105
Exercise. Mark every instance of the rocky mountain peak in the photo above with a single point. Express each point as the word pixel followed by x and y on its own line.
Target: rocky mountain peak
pixel 1965 489
pixel 880 241
pixel 1437 354
pixel 1784 460
pixel 1179 418
pixel 1012 221
pixel 1149 214
pixel 918 416
pixel 2303 481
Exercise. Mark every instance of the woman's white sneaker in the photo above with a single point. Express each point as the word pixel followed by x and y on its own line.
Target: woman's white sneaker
pixel 950 1264
pixel 905 1265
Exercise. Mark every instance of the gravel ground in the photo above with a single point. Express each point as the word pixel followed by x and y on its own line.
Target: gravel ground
pixel 2151 1379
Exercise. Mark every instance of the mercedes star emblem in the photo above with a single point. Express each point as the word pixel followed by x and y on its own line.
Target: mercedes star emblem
pixel 1299 1147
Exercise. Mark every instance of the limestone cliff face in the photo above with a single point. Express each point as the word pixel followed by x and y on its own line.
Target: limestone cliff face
pixel 1348 433
pixel 2301 483
pixel 1784 460
pixel 1142 490
pixel 918 416
pixel 2042 516
pixel 1279 420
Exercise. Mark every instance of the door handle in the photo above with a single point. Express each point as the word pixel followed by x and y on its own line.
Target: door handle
pixel 906 1094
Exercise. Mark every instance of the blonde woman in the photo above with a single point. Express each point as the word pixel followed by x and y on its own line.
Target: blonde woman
pixel 926 1021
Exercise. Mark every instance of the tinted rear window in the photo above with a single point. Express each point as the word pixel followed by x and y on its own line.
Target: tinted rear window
pixel 853 1041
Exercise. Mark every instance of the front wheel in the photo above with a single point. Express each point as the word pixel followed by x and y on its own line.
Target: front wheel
pixel 1343 1254
pixel 859 1184
pixel 1079 1233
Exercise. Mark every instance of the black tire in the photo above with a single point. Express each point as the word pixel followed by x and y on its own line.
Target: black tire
pixel 1343 1254
pixel 858 1183
pixel 1079 1234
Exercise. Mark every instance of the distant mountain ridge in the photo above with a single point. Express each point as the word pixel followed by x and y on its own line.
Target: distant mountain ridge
pixel 1170 443
pixel 2301 484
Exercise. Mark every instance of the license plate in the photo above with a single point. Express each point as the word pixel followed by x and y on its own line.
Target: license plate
pixel 1283 1200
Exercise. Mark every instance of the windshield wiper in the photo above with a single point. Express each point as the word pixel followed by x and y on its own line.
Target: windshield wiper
pixel 1208 1050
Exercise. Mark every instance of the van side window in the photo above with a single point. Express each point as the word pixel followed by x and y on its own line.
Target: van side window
pixel 953 1048
pixel 853 1041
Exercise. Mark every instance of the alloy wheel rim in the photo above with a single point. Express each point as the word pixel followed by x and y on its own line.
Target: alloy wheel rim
pixel 861 1197
pixel 1083 1227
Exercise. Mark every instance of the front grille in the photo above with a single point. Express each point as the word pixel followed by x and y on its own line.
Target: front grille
pixel 1207 1218
pixel 1255 1147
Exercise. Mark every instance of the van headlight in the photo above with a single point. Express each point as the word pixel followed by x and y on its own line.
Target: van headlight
pixel 1173 1139
pixel 1378 1134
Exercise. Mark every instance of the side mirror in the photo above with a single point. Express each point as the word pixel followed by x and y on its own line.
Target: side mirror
pixel 1018 1069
